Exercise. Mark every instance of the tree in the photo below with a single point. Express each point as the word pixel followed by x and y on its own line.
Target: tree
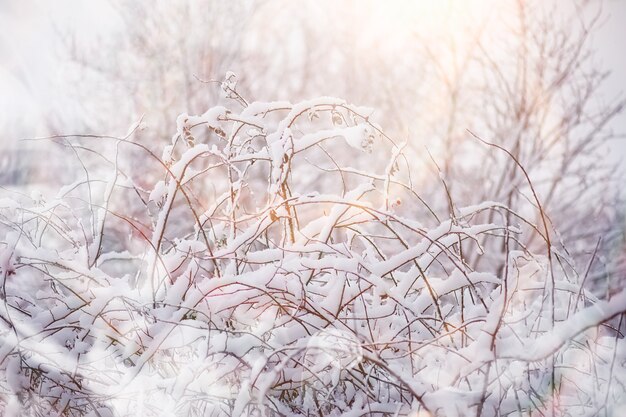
pixel 518 74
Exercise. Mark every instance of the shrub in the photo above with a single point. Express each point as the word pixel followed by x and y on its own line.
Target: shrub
pixel 276 268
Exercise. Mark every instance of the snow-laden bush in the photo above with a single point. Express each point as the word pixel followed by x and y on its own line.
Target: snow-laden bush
pixel 276 269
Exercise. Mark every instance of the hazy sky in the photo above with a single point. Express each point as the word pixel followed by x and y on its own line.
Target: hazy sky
pixel 34 81
pixel 611 47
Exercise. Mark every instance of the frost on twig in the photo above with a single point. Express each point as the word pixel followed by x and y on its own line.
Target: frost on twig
pixel 265 272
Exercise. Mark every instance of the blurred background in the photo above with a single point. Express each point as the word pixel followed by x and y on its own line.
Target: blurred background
pixel 545 80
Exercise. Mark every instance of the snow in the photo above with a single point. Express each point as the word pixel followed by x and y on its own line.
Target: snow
pixel 252 292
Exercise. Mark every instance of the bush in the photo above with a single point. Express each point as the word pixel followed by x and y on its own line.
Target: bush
pixel 276 268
